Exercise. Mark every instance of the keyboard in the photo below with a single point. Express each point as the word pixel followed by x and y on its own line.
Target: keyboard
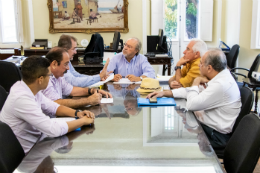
pixel 150 54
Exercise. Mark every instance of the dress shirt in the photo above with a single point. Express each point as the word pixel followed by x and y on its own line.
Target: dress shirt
pixel 189 72
pixel 138 66
pixel 24 113
pixel 57 88
pixel 80 80
pixel 218 105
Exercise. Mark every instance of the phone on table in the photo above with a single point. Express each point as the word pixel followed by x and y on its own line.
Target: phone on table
pixel 153 100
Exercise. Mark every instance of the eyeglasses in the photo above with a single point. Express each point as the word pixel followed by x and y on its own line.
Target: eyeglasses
pixel 128 46
pixel 128 109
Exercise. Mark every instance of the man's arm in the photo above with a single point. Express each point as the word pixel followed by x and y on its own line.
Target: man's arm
pixel 187 80
pixel 82 81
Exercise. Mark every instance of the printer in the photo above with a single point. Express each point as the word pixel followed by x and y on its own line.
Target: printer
pixel 40 43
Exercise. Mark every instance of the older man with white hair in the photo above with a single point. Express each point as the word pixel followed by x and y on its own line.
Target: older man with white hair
pixel 184 76
pixel 130 63
pixel 214 96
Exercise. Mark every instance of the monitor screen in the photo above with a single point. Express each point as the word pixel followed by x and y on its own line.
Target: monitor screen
pixel 116 40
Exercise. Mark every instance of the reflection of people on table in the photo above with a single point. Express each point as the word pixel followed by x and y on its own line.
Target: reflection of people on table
pixel 129 94
pixel 215 97
pixel 58 87
pixel 39 160
pixel 130 63
pixel 26 108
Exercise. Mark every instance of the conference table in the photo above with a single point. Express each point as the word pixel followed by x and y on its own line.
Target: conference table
pixel 128 138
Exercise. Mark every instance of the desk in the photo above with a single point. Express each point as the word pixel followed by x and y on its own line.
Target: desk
pixel 161 61
pixel 252 83
pixel 162 139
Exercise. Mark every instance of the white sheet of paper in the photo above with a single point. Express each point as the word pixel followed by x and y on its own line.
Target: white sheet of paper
pixel 107 100
pixel 102 82
pixel 126 81
pixel 163 78
pixel 65 119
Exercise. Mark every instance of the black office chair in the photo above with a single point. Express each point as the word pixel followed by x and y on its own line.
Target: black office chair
pixel 247 99
pixel 243 149
pixel 254 67
pixel 3 96
pixel 232 56
pixel 10 74
pixel 11 152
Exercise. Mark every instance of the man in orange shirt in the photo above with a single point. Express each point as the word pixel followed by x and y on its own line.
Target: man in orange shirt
pixel 190 61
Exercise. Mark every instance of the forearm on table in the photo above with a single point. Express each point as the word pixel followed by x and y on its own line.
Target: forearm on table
pixel 65 111
pixel 73 103
pixel 78 91
pixel 167 93
pixel 72 125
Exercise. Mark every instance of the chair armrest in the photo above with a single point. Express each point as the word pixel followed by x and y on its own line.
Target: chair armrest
pixel 239 68
pixel 239 74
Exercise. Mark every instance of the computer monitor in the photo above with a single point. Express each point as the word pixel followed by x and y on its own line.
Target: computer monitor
pixel 116 40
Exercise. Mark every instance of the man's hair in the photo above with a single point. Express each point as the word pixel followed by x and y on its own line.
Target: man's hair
pixel 56 54
pixel 217 59
pixel 199 46
pixel 65 41
pixel 34 67
pixel 138 45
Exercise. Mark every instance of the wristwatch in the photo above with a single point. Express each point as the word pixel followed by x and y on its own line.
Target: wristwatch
pixel 76 116
pixel 141 78
pixel 177 67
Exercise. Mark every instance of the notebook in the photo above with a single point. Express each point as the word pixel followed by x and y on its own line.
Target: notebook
pixel 160 102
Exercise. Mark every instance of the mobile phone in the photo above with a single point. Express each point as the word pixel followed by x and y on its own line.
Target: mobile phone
pixel 153 100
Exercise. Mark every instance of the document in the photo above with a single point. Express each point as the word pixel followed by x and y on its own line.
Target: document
pixel 126 81
pixel 163 78
pixel 107 100
pixel 102 82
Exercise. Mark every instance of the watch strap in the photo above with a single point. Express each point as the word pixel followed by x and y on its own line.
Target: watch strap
pixel 76 116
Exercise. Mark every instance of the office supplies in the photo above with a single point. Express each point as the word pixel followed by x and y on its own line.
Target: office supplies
pixel 160 102
pixel 40 43
pixel 153 100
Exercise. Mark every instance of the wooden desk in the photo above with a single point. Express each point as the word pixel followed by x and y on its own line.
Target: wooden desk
pixel 161 61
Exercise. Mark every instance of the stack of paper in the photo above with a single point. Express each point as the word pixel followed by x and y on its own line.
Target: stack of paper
pixel 126 81
pixel 102 82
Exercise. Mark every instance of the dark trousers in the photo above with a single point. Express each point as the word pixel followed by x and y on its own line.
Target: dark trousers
pixel 216 139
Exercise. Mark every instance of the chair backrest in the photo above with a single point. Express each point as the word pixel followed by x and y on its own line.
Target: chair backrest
pixel 247 99
pixel 242 151
pixel 10 74
pixel 254 66
pixel 3 96
pixel 11 152
pixel 232 56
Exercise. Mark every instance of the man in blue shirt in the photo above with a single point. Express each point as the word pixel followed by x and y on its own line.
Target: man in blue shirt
pixel 130 63
pixel 72 76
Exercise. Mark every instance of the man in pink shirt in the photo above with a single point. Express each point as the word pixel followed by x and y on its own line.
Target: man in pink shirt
pixel 25 108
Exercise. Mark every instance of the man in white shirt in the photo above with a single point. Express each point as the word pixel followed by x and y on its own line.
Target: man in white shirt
pixel 214 97
pixel 25 108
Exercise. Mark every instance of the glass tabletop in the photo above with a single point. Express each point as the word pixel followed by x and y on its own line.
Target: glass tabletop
pixel 128 138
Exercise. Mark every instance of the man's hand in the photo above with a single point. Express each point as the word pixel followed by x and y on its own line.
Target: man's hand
pixel 95 99
pixel 117 77
pixel 104 93
pixel 104 72
pixel 175 85
pixel 87 120
pixel 133 78
pixel 200 81
pixel 86 113
pixel 182 61
pixel 155 94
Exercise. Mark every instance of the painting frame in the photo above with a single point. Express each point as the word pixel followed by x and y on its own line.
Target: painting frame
pixel 52 29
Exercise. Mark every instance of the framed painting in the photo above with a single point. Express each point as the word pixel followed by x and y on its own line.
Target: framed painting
pixel 88 16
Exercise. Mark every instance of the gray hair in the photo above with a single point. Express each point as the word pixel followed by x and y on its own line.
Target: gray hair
pixel 199 46
pixel 138 45
pixel 217 59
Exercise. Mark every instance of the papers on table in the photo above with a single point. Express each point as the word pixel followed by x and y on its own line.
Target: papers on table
pixel 163 78
pixel 126 81
pixel 107 100
pixel 102 82
pixel 65 119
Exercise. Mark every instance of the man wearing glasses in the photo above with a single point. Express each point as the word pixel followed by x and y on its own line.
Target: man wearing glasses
pixel 130 63
pixel 58 87
pixel 72 76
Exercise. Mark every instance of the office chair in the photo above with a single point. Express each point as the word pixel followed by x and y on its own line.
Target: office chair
pixel 10 74
pixel 11 152
pixel 243 149
pixel 3 96
pixel 232 56
pixel 254 67
pixel 247 99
